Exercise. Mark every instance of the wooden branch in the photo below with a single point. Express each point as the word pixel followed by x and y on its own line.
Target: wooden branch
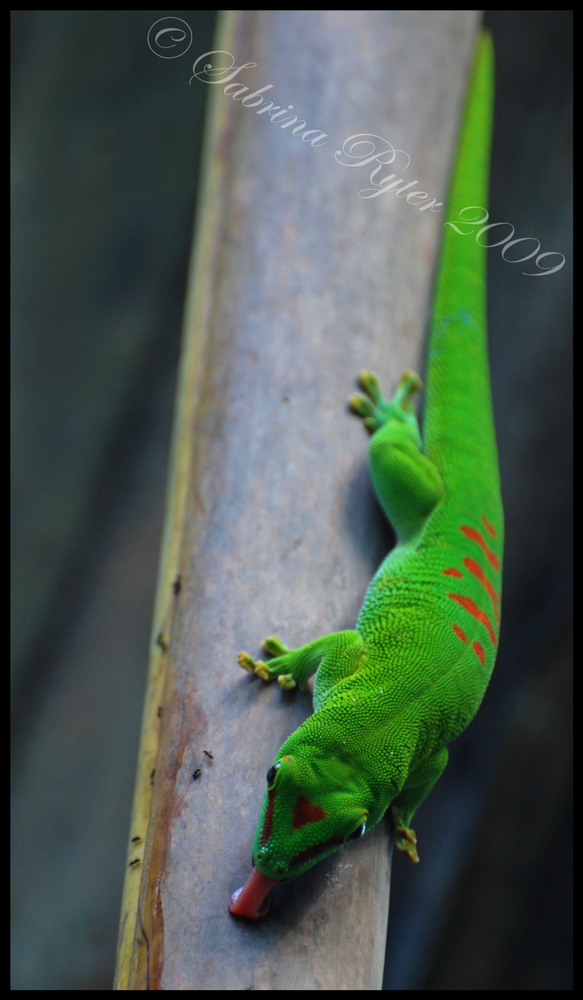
pixel 271 524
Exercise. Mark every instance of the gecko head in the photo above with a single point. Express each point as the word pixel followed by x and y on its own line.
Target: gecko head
pixel 313 805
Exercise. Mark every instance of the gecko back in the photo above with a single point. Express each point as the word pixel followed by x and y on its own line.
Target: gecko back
pixel 442 491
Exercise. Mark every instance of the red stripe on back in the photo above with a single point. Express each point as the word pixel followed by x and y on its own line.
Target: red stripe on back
pixel 460 633
pixel 476 536
pixel 478 572
pixel 472 608
pixel 479 651
pixel 452 571
pixel 489 527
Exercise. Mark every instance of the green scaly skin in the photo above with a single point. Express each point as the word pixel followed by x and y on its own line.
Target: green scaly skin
pixel 389 695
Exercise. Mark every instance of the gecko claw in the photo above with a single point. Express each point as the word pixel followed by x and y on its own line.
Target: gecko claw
pixel 405 841
pixel 245 661
pixel 254 667
pixel 361 405
pixel 411 851
pixel 371 385
pixel 274 646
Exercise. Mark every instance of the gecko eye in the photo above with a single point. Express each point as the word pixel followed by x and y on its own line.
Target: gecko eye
pixel 358 832
pixel 271 773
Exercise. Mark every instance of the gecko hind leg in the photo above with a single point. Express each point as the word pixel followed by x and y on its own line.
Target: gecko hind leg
pixel 407 483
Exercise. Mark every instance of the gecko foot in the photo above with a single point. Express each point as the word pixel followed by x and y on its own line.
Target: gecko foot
pixel 266 671
pixel 405 839
pixel 374 409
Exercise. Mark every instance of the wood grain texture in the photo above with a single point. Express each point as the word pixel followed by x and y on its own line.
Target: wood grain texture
pixel 296 284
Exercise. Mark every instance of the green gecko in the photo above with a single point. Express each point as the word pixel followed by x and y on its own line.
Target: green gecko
pixel 392 693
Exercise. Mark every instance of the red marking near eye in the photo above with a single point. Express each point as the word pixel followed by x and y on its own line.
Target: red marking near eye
pixel 473 609
pixel 306 812
pixel 479 651
pixel 489 527
pixel 460 633
pixel 452 571
pixel 476 536
pixel 478 572
pixel 268 821
pixel 312 852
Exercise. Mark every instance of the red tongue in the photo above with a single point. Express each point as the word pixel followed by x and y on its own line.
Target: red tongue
pixel 252 899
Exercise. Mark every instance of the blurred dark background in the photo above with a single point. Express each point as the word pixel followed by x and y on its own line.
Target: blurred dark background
pixel 105 148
